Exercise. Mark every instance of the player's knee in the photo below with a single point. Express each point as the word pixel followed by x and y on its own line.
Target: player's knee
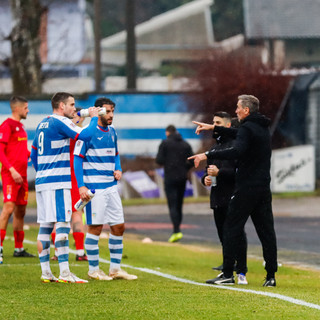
pixel 118 229
pixel 20 212
pixel 77 227
pixel 42 245
pixel 8 208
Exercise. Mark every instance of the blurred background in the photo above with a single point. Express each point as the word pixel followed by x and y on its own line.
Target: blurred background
pixel 170 62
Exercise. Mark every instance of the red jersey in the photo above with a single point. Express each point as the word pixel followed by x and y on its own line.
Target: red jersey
pixel 13 147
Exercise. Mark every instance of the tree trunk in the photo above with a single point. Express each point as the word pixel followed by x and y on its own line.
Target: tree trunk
pixel 97 44
pixel 25 63
pixel 131 45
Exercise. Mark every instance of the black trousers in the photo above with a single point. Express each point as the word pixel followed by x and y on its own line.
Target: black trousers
pixel 175 194
pixel 220 216
pixel 256 203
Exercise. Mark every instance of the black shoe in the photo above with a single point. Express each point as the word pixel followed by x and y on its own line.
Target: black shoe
pixel 221 279
pixel 82 258
pixel 219 268
pixel 270 282
pixel 1 256
pixel 23 253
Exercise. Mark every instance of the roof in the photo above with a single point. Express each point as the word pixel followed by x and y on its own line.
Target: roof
pixel 163 20
pixel 282 19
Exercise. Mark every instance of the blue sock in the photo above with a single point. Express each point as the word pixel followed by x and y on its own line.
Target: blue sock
pixel 92 248
pixel 116 249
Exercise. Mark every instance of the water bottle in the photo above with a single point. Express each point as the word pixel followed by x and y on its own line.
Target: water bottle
pixel 85 112
pixel 213 181
pixel 81 204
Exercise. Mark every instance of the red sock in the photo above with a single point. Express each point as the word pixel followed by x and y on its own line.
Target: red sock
pixel 79 240
pixel 53 237
pixel 2 236
pixel 18 239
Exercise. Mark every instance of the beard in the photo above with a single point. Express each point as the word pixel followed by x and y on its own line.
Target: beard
pixel 106 122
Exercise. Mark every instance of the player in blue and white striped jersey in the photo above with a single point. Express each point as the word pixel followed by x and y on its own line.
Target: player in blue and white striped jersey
pixel 97 166
pixel 51 158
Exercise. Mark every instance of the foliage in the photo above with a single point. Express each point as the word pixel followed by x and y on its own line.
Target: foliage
pixel 222 77
pixel 227 18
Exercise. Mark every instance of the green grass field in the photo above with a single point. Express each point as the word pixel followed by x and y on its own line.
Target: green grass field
pixel 23 296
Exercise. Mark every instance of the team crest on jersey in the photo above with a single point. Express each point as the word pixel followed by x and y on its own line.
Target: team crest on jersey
pixel 78 143
pixel 17 128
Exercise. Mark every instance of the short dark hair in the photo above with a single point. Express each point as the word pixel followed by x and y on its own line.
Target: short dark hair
pixel 249 101
pixel 223 115
pixel 103 100
pixel 60 97
pixel 17 99
pixel 171 129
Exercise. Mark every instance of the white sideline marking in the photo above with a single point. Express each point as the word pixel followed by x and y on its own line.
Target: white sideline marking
pixel 169 276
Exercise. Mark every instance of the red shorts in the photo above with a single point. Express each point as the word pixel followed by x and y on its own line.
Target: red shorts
pixel 12 192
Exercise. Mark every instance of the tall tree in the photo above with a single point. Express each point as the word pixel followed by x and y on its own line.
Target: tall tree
pixel 25 63
pixel 131 45
pixel 97 45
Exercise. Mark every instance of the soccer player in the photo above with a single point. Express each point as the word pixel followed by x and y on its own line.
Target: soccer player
pixel 97 166
pixel 50 155
pixel 76 218
pixel 14 156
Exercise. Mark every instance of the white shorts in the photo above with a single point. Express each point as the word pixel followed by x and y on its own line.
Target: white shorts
pixel 54 205
pixel 104 208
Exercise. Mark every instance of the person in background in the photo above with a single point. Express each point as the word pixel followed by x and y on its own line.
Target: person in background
pixel 14 155
pixel 172 155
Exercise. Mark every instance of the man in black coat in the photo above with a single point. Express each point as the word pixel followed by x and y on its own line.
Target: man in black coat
pixel 172 154
pixel 220 176
pixel 252 195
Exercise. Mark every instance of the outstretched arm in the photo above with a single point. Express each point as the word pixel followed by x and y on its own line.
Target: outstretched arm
pixel 87 133
pixel 197 158
pixel 203 126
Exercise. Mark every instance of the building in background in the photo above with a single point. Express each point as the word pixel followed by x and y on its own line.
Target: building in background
pixel 286 31
pixel 180 34
pixel 63 31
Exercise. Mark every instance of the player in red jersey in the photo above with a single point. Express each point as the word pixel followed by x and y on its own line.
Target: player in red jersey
pixel 76 219
pixel 14 156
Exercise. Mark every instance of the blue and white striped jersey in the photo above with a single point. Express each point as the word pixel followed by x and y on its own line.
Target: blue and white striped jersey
pixel 52 146
pixel 99 158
